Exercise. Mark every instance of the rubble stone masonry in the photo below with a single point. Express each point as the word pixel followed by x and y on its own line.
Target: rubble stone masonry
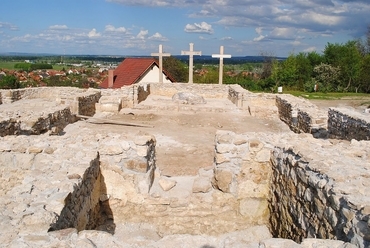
pixel 348 124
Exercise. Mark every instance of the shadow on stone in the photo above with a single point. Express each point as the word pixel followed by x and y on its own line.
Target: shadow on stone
pixel 87 207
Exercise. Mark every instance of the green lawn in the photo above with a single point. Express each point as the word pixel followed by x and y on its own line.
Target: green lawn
pixel 8 64
pixel 329 95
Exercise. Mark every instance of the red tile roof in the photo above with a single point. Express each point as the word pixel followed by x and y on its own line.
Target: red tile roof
pixel 130 71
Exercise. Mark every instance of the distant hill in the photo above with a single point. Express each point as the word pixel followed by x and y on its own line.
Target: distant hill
pixel 204 59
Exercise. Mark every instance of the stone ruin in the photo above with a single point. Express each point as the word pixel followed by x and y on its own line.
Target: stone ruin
pixel 66 182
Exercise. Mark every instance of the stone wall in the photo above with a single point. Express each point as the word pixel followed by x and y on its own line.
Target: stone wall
pixel 204 90
pixel 308 195
pixel 242 169
pixel 85 104
pixel 257 104
pixel 54 122
pixel 302 116
pixel 143 91
pixel 81 101
pixel 83 207
pixel 348 124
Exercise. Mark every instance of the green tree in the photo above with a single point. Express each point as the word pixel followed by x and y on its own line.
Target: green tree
pixel 348 58
pixel 364 78
pixel 9 82
pixel 326 78
pixel 176 69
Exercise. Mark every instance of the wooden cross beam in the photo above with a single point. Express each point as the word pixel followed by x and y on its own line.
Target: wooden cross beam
pixel 191 53
pixel 221 56
pixel 160 54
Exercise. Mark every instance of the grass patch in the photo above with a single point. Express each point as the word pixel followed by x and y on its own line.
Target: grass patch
pixel 329 95
pixel 7 65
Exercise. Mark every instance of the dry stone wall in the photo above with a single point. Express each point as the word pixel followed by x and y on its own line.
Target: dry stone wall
pixel 206 91
pixel 83 208
pixel 261 104
pixel 39 110
pixel 302 116
pixel 242 169
pixel 348 124
pixel 289 179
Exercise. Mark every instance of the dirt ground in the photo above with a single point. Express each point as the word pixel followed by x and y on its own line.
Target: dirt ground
pixel 185 139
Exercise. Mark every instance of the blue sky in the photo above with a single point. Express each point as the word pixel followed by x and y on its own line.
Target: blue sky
pixel 137 27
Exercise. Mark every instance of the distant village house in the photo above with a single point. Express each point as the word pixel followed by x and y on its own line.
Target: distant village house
pixel 133 71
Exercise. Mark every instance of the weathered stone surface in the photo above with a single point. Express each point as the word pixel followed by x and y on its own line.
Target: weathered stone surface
pixel 202 185
pixel 166 183
pixel 223 179
pixel 188 98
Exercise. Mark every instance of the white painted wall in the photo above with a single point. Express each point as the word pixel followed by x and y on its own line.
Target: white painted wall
pixel 153 76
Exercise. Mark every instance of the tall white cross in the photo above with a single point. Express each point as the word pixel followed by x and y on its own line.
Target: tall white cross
pixel 191 53
pixel 221 56
pixel 160 54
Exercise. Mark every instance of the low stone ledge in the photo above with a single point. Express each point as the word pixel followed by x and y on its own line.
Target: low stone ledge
pixel 348 124
pixel 302 116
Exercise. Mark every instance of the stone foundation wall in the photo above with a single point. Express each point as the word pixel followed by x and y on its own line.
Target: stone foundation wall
pixel 301 116
pixel 85 104
pixel 34 125
pixel 347 124
pixel 81 101
pixel 308 204
pixel 143 91
pixel 242 169
pixel 204 90
pixel 82 208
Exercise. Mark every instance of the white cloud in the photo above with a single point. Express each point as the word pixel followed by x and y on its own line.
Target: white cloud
pixel 142 34
pixel 158 37
pixel 283 33
pixel 58 27
pixel 93 34
pixel 111 28
pixel 202 27
pixel 226 38
pixel 6 25
pixel 310 49
pixel 259 32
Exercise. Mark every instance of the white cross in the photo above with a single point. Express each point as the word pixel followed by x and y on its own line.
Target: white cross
pixel 221 56
pixel 160 54
pixel 191 53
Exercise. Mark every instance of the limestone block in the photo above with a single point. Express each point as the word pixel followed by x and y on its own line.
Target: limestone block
pixel 240 140
pixel 263 155
pixel 64 234
pixel 34 149
pixel 278 242
pixel 225 148
pixel 224 137
pixel 202 185
pixel 188 98
pixel 142 151
pixel 137 165
pixel 221 158
pixel 249 188
pixel 166 183
pixel 110 150
pixel 125 145
pixel 223 180
pixel 311 243
pixel 255 145
pixel 254 209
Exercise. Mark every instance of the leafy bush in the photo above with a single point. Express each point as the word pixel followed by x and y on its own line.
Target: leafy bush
pixel 9 82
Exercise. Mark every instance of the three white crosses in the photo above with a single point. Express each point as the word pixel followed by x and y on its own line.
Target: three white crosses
pixel 191 54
